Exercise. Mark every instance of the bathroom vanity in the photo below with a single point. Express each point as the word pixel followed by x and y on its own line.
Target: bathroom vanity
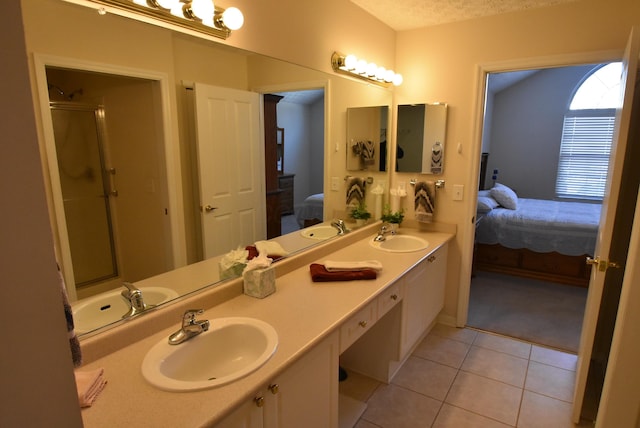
pixel 369 326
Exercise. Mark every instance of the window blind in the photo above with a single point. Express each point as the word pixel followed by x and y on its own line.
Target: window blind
pixel 584 154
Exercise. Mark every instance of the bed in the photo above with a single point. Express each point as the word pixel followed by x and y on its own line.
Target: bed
pixel 535 238
pixel 311 211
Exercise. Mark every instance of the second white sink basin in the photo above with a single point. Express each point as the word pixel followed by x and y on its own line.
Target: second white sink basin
pixel 232 348
pixel 401 243
pixel 319 233
pixel 97 311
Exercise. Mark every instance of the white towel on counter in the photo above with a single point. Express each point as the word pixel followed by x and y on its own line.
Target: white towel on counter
pixel 271 248
pixel 336 266
pixel 89 385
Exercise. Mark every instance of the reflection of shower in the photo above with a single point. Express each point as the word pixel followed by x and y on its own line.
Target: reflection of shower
pixel 79 133
pixel 62 93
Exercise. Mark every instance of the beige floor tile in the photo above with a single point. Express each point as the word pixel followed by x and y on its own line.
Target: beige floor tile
pixel 539 411
pixel 486 397
pixel 503 344
pixel 454 417
pixel 395 407
pixel 460 334
pixel 444 351
pixel 496 365
pixel 426 377
pixel 554 358
pixel 550 381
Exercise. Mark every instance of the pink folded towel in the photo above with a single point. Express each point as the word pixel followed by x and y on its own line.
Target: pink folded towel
pixel 89 385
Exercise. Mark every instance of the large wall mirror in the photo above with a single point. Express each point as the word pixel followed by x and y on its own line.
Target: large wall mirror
pixel 143 105
pixel 367 138
pixel 420 137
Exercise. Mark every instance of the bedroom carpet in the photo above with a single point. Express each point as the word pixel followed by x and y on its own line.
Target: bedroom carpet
pixel 536 311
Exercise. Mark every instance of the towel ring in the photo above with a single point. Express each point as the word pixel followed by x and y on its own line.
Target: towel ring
pixel 439 183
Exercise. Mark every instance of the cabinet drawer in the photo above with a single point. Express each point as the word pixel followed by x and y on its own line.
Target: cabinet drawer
pixel 357 325
pixel 389 298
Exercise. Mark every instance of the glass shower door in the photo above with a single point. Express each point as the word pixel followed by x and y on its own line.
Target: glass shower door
pixel 85 184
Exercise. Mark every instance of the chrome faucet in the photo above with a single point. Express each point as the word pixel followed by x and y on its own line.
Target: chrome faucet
pixel 384 230
pixel 134 297
pixel 190 327
pixel 341 226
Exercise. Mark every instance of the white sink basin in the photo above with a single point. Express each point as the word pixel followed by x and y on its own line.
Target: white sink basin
pixel 102 309
pixel 401 243
pixel 319 233
pixel 231 349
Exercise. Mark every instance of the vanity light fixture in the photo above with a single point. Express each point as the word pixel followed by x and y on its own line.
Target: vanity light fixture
pixel 352 66
pixel 199 15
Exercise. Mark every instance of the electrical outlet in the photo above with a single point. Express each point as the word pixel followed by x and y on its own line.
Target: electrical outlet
pixel 458 190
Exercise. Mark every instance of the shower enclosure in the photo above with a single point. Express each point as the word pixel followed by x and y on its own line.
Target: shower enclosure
pixel 88 192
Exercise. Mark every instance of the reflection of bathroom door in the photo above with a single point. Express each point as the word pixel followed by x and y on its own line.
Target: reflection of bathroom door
pixel 230 168
pixel 85 184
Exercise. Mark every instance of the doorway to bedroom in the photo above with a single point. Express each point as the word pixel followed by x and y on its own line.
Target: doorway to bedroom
pixel 529 282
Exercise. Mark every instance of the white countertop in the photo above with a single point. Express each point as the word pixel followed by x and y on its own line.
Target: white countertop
pixel 301 311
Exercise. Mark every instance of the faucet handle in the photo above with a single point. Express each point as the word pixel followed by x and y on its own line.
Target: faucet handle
pixel 189 317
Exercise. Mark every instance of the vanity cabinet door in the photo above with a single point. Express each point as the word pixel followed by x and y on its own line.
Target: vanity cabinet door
pixel 306 393
pixel 248 415
pixel 423 298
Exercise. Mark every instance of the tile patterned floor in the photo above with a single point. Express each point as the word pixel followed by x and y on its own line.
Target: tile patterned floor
pixel 462 378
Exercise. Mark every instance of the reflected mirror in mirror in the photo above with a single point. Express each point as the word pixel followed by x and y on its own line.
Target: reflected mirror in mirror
pixel 420 138
pixel 367 138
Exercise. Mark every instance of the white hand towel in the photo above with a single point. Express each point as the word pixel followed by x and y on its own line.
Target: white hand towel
pixel 335 266
pixel 270 248
pixel 89 384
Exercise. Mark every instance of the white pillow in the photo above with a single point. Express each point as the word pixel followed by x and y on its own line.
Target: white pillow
pixel 485 202
pixel 504 196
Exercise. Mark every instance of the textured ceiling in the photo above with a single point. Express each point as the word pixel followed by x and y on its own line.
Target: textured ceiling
pixel 410 14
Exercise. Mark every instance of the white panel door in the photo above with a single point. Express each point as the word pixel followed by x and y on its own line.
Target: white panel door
pixel 230 168
pixel 608 216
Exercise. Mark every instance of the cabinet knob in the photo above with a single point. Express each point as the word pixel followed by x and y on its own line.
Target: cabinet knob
pixel 362 324
pixel 259 401
pixel 431 259
pixel 394 297
pixel 274 388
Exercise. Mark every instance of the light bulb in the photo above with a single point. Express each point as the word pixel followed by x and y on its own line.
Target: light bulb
pixel 167 4
pixel 380 73
pixel 361 67
pixel 350 62
pixel 371 69
pixel 397 79
pixel 232 18
pixel 388 76
pixel 203 9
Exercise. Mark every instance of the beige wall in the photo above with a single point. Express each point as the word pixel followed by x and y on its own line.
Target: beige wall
pixel 441 63
pixel 35 360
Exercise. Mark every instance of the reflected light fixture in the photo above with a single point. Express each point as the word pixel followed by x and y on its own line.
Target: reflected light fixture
pixel 352 66
pixel 198 15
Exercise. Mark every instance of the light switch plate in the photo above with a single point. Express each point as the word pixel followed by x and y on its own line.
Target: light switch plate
pixel 458 191
pixel 335 183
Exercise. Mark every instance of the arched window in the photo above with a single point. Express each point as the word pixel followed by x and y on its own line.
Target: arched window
pixel 587 134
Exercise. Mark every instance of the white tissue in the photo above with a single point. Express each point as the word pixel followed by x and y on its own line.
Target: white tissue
pixel 259 262
pixel 259 277
pixel 233 263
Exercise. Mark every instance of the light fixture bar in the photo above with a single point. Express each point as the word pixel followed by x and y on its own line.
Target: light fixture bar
pixel 354 67
pixel 189 21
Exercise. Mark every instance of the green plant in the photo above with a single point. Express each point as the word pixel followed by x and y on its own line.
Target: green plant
pixel 392 217
pixel 360 212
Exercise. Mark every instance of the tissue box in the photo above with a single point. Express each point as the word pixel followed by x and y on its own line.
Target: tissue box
pixel 233 271
pixel 259 282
